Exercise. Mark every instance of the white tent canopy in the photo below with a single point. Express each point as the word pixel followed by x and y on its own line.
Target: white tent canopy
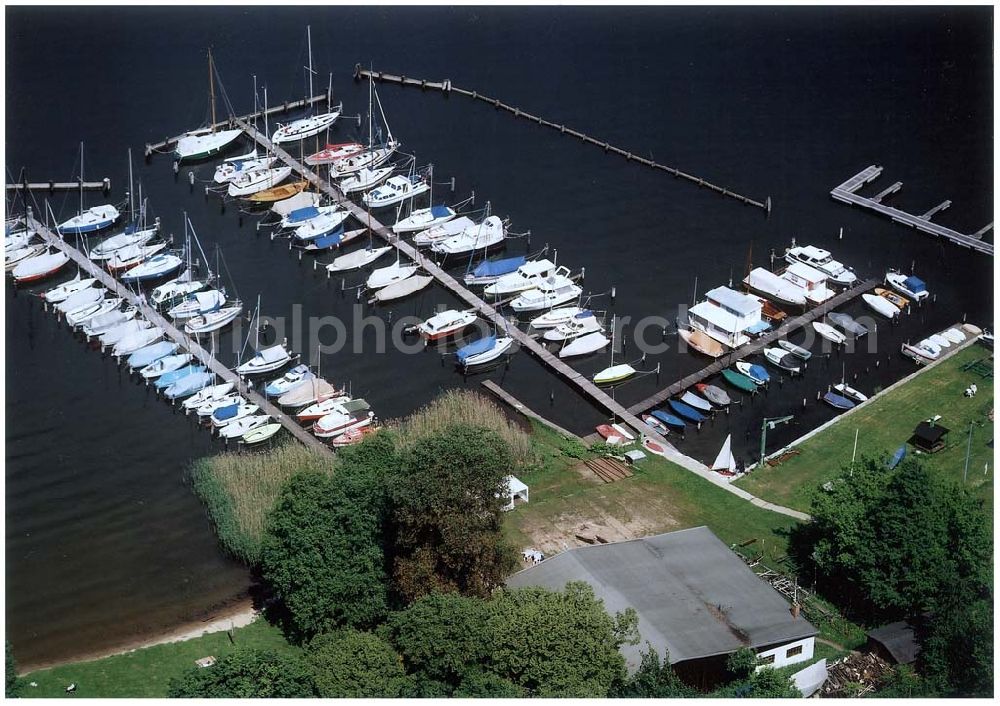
pixel 515 489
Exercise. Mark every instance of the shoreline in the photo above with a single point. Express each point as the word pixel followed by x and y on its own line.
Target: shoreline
pixel 239 614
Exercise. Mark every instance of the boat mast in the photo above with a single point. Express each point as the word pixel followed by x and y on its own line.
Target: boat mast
pixel 81 177
pixel 309 41
pixel 131 203
pixel 211 87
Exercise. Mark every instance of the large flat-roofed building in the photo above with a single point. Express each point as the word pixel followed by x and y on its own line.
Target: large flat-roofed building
pixel 696 600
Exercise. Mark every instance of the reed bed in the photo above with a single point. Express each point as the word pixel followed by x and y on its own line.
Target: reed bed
pixel 239 489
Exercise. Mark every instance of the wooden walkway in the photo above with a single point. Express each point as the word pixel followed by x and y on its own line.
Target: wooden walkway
pixel 53 186
pixel 846 193
pixel 727 360
pixel 446 87
pixel 177 335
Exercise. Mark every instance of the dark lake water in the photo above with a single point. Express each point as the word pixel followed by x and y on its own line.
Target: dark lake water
pixel 105 541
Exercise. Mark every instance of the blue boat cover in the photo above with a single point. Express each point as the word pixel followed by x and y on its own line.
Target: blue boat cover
pixel 227 412
pixel 668 419
pixel 329 240
pixel 490 268
pixel 584 314
pixel 915 285
pixel 687 411
pixel 440 211
pixel 897 457
pixel 173 376
pixel 151 353
pixel 760 372
pixel 475 348
pixel 303 214
pixel 838 401
pixel 758 327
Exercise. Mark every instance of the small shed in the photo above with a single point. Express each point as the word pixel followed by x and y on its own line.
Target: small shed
pixel 929 437
pixel 895 642
pixel 515 489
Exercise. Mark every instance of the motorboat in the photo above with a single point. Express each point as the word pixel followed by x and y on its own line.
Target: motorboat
pixel 331 153
pixel 301 216
pixel 357 259
pixel 753 371
pixel 260 434
pixel 240 427
pixel 798 351
pixel 12 258
pixel 687 412
pixel 614 374
pixel 693 400
pixel 715 395
pixel 780 358
pixel 298 375
pixel 881 305
pixel 395 190
pixel 99 323
pixel 155 267
pixel 829 333
pixel 103 306
pixel 485 350
pixel 79 299
pixel 670 420
pixel 91 220
pixel 224 416
pixel 398 290
pixel 702 342
pixel 39 267
pixel 775 288
pixel 209 406
pixel 549 293
pixel 61 292
pixel 613 434
pixel 913 287
pixel 838 401
pixel 847 323
pixel 107 249
pixel 739 380
pixel 482 236
pixel 580 325
pixel 321 225
pixel 446 323
pixel 527 276
pixel 823 261
pixel 235 168
pixel 351 436
pixel 165 365
pixel 584 345
pixel 177 288
pixel 900 301
pixel 337 423
pixel 208 394
pixel 384 276
pixel 725 463
pixel 846 390
pixel 188 385
pixel 265 360
pixel 150 354
pixel 318 410
pixel 136 340
pixel 556 317
pixel 489 271
pixel 810 281
pixel 316 390
pixel 198 304
pixel 213 321
pixel 424 218
pixel 364 179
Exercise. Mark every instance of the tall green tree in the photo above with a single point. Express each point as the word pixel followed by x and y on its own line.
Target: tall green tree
pixel 956 656
pixel 246 674
pixel 764 684
pixel 13 684
pixel 653 680
pixel 352 664
pixel 322 553
pixel 447 516
pixel 558 643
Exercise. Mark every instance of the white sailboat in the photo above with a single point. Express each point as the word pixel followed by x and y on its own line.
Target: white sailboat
pixel 725 463
pixel 443 231
pixel 364 179
pixel 357 259
pixel 423 218
pixel 60 293
pixel 489 233
pixel 376 155
pixel 312 125
pixel 584 345
pixel 614 373
pixel 205 142
pixel 90 220
pixel 396 272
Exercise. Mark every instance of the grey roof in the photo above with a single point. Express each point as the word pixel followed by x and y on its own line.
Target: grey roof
pixel 899 641
pixel 736 302
pixel 694 596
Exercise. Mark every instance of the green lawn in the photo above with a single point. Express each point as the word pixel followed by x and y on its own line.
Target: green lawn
pixel 885 424
pixel 147 672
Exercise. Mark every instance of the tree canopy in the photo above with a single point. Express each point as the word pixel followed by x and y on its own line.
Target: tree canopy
pixel 653 680
pixel 352 664
pixel 246 674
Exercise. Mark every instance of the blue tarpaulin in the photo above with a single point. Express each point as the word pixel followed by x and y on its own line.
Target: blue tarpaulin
pixel 303 214
pixel 226 412
pixel 489 268
pixel 480 346
pixel 897 457
pixel 915 285
pixel 758 327
pixel 329 240
pixel 440 211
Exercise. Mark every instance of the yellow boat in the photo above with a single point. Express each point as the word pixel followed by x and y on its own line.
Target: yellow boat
pixel 278 193
pixel 702 342
pixel 900 301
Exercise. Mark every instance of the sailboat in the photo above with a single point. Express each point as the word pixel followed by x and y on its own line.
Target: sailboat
pixel 613 373
pixel 60 293
pixel 357 259
pixel 312 125
pixel 135 233
pixel 186 283
pixel 39 266
pixel 396 272
pixel 257 180
pixel 205 142
pixel 264 360
pixel 92 219
pixel 442 231
pixel 725 463
pixel 424 218
pixel 375 155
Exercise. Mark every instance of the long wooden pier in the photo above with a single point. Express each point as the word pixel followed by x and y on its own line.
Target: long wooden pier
pixel 181 338
pixel 755 346
pixel 53 186
pixel 446 87
pixel 846 193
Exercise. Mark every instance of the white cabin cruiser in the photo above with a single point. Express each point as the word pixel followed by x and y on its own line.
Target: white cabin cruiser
pixel 823 261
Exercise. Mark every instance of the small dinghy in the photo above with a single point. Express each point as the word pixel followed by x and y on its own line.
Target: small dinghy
pixel 614 374
pixel 265 360
pixel 670 420
pixel 782 359
pixel 357 259
pixel 240 427
pixel 725 463
pixel 838 401
pixel 489 271
pixel 167 364
pixel 424 218
pixel 702 342
pixel 442 231
pixel 446 323
pixel 848 324
pixel 260 434
pixel 207 395
pixel 755 372
pixel 398 290
pixel 829 333
pixel 655 424
pixel 686 411
pixel 798 351
pixel 849 392
pixel 39 267
pixel 206 323
pixel 298 375
pixel 364 179
pixel 136 340
pixel 715 395
pixel 150 354
pixel 654 447
pixel 188 385
pixel 60 293
pixel 913 287
pixel 580 325
pixel 699 403
pixel 919 355
pixel 384 276
pixel 900 301
pixel 881 305
pixel 739 380
pixel 584 345
pixel 485 350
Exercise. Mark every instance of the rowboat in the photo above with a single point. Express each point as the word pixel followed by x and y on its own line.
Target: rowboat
pixel 613 374
pixel 208 394
pixel 321 225
pixel 78 300
pixel 753 371
pixel 829 332
pixel 188 385
pixel 489 271
pixel 899 300
pixel 212 321
pixel 233 413
pixel 278 193
pixel 654 447
pixel 395 190
pixel 584 345
pixel 98 308
pixel 318 410
pixel 725 463
pixel 782 359
pixel 528 275
pixel 482 236
pixel 702 342
pixel 39 267
pixel 769 312
pixel 298 375
pixel 351 437
pixel 919 355
pixel 240 427
pixel 265 360
pixel 235 168
pixel 357 259
pixel 198 304
pixel 838 401
pixel 158 266
pixel 384 276
pixel 896 458
pixel 13 258
pixel 99 323
pixel 739 380
pixel 846 322
pixel 848 391
pixel 260 433
pixel 106 249
pixel 580 325
pixel 556 317
pixel 165 365
pixel 671 420
pixel 60 293
pixel 686 411
pixel 715 395
pixel 446 323
pixel 424 218
pixel 881 305
pixel 485 350
pixel 398 290
pixel 912 287
pixel 364 179
pixel 611 433
pixel 699 403
pixel 315 390
pixel 136 340
pixel 144 356
pixel 93 219
pixel 655 424
pixel 331 153
pixel 257 180
pixel 795 350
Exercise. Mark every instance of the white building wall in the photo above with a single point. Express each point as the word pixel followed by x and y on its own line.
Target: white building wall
pixel 781 657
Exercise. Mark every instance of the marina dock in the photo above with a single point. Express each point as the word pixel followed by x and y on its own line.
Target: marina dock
pixel 53 186
pixel 756 346
pixel 446 88
pixel 186 342
pixel 846 193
